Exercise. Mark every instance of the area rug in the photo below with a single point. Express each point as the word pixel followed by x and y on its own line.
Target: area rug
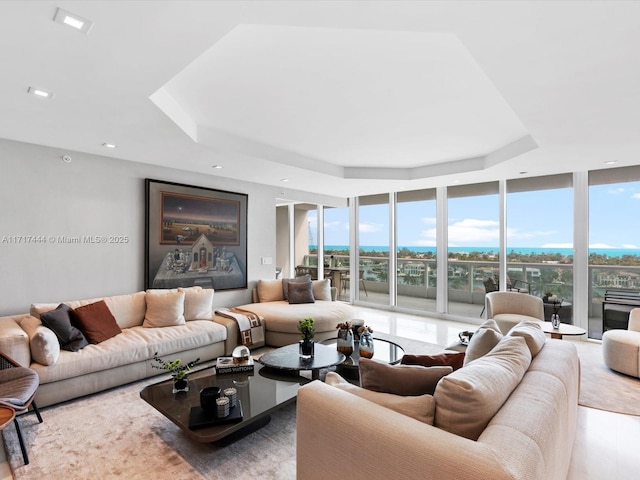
pixel 601 387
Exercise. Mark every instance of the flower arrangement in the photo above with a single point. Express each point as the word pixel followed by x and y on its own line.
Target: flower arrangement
pixel 177 369
pixel 344 326
pixel 365 329
pixel 306 329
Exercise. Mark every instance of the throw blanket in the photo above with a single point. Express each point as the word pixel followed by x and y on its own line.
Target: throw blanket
pixel 250 325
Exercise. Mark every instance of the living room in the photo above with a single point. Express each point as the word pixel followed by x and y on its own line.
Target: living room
pixel 558 78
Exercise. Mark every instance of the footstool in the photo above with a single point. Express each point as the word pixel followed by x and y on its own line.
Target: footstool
pixel 621 351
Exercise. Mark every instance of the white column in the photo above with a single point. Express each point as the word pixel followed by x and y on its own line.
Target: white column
pixel 581 279
pixel 502 202
pixel 442 239
pixel 393 240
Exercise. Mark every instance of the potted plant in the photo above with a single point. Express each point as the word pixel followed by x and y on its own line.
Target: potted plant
pixel 305 327
pixel 179 371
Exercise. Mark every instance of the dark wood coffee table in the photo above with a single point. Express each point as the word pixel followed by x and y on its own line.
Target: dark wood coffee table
pixel 383 350
pixel 259 395
pixel 288 359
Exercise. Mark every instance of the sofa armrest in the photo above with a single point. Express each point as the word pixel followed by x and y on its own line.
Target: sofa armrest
pixel 14 341
pixel 233 334
pixel 366 440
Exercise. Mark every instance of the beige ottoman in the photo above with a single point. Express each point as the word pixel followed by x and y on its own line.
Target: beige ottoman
pixel 621 351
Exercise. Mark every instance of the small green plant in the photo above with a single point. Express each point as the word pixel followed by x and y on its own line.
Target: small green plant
pixel 305 327
pixel 177 369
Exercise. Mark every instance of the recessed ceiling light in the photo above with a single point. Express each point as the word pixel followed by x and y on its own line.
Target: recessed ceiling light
pixel 284 179
pixel 610 162
pixel 38 92
pixel 216 166
pixel 108 145
pixel 523 173
pixel 72 20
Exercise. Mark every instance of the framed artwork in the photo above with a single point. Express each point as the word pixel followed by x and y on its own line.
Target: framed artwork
pixel 194 236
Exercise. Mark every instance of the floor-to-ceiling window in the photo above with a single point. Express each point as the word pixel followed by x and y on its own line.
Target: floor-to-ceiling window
pixel 473 245
pixel 540 239
pixel 306 235
pixel 614 237
pixel 336 248
pixel 416 249
pixel 373 237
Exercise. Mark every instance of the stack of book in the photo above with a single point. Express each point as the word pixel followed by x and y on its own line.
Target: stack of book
pixel 227 365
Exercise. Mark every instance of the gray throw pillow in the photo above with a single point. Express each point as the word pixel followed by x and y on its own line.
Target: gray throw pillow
pixel 286 281
pixel 59 321
pixel 400 379
pixel 301 292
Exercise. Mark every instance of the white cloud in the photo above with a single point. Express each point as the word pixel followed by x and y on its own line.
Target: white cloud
pixel 615 191
pixel 600 245
pixel 473 231
pixel 557 245
pixel 630 245
pixel 636 196
pixel 370 227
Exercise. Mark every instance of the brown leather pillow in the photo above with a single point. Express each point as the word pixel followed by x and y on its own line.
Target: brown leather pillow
pixel 96 322
pixel 400 379
pixel 454 359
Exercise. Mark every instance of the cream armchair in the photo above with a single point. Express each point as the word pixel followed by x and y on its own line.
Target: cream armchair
pixel 621 348
pixel 510 308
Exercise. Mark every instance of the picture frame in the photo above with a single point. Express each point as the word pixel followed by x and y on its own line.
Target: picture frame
pixel 194 236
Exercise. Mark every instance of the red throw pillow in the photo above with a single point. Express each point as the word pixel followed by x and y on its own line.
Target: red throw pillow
pixel 96 322
pixel 453 359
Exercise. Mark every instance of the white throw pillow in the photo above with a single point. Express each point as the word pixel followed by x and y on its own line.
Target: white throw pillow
pixel 128 310
pixel 532 332
pixel 322 289
pixel 483 340
pixel 164 309
pixel 467 399
pixel 270 290
pixel 44 345
pixel 198 303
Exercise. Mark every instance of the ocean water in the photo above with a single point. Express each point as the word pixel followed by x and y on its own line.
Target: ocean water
pixel 609 252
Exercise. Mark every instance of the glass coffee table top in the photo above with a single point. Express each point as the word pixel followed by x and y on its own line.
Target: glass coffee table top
pixel 259 395
pixel 383 350
pixel 288 358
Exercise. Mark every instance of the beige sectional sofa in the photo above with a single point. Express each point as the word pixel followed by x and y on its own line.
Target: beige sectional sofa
pixel 508 414
pixel 282 316
pixel 174 323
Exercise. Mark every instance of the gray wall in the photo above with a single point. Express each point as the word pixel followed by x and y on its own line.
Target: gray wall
pixel 44 197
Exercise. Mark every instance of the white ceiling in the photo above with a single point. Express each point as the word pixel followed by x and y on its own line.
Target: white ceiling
pixel 340 98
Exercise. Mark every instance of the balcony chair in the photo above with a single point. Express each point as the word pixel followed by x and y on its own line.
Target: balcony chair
pixel 18 387
pixel 490 285
pixel 510 308
pixel 346 278
pixel 621 348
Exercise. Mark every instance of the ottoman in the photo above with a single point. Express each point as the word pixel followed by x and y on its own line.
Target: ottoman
pixel 621 351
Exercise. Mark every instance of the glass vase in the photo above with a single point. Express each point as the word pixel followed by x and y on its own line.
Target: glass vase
pixel 345 341
pixel 306 349
pixel 366 344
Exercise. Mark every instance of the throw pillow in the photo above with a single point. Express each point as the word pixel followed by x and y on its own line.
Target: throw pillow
pixel 454 359
pixel 420 407
pixel 483 340
pixel 400 379
pixel 128 310
pixel 270 290
pixel 322 289
pixel 96 322
pixel 285 283
pixel 467 400
pixel 59 321
pixel 43 343
pixel 198 303
pixel 164 309
pixel 532 333
pixel 300 292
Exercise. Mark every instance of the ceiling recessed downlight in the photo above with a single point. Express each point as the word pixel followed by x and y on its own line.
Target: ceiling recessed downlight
pixel 284 179
pixel 108 145
pixel 39 92
pixel 72 20
pixel 610 162
pixel 216 166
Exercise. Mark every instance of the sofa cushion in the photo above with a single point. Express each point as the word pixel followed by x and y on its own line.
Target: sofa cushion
pixel 96 322
pixel 321 289
pixel 43 343
pixel 270 290
pixel 285 283
pixel 164 309
pixel 128 310
pixel 400 379
pixel 483 340
pixel 59 321
pixel 532 333
pixel 454 359
pixel 198 303
pixel 301 292
pixel 421 407
pixel 467 399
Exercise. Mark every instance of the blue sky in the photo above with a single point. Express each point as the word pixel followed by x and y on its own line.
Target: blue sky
pixel 539 219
